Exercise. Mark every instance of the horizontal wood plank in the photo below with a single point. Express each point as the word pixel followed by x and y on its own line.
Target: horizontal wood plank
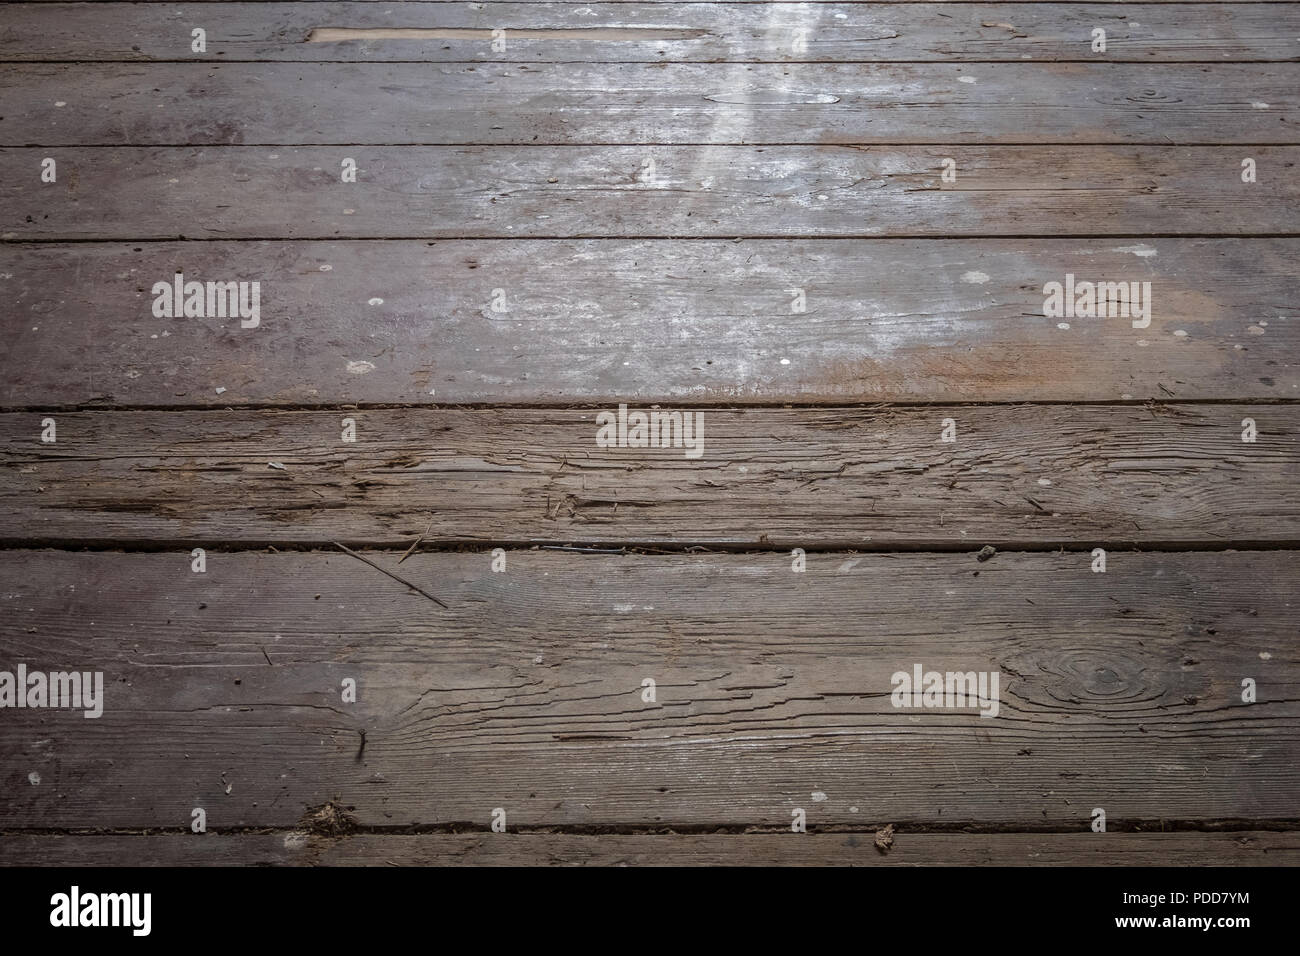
pixel 646 192
pixel 1016 476
pixel 737 3
pixel 651 32
pixel 1250 848
pixel 174 104
pixel 1119 690
pixel 610 321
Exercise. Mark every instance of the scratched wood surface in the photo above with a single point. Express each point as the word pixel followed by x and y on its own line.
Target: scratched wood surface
pixel 1243 848
pixel 1016 476
pixel 644 321
pixel 665 192
pixel 1120 689
pixel 651 32
pixel 284 104
pixel 733 3
pixel 624 205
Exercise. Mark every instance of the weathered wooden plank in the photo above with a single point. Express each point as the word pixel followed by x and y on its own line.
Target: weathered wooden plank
pixel 1248 848
pixel 604 321
pixel 222 689
pixel 736 3
pixel 831 477
pixel 170 104
pixel 635 191
pixel 650 32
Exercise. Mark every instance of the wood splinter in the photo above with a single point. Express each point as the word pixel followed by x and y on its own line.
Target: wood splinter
pixel 377 567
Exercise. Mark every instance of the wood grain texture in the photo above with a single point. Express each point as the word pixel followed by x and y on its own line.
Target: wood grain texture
pixel 609 321
pixel 173 104
pixel 1120 690
pixel 735 3
pixel 651 32
pixel 1250 848
pixel 651 187
pixel 828 477
pixel 641 192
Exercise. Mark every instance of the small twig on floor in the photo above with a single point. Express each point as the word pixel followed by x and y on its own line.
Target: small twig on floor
pixel 377 567
pixel 416 543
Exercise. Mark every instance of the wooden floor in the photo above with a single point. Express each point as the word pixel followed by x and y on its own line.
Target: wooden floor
pixel 827 229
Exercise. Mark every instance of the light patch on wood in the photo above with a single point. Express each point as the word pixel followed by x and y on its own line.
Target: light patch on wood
pixel 772 98
pixel 1141 249
pixel 342 34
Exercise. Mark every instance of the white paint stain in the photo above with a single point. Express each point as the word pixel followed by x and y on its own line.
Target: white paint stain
pixel 975 278
pixel 34 778
pixel 1258 106
pixel 1265 656
pixel 327 268
pixel 375 301
pixel 1139 250
pixel 1180 333
pixel 295 841
pixel 753 97
pixel 1063 326
pixel 818 796
pixel 965 79
pixel 1044 481
pixel 360 368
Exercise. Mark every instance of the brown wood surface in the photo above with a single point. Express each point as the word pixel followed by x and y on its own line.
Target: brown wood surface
pixel 651 32
pixel 1248 848
pixel 871 478
pixel 175 104
pixel 638 192
pixel 646 321
pixel 1119 690
pixel 733 3
pixel 651 188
